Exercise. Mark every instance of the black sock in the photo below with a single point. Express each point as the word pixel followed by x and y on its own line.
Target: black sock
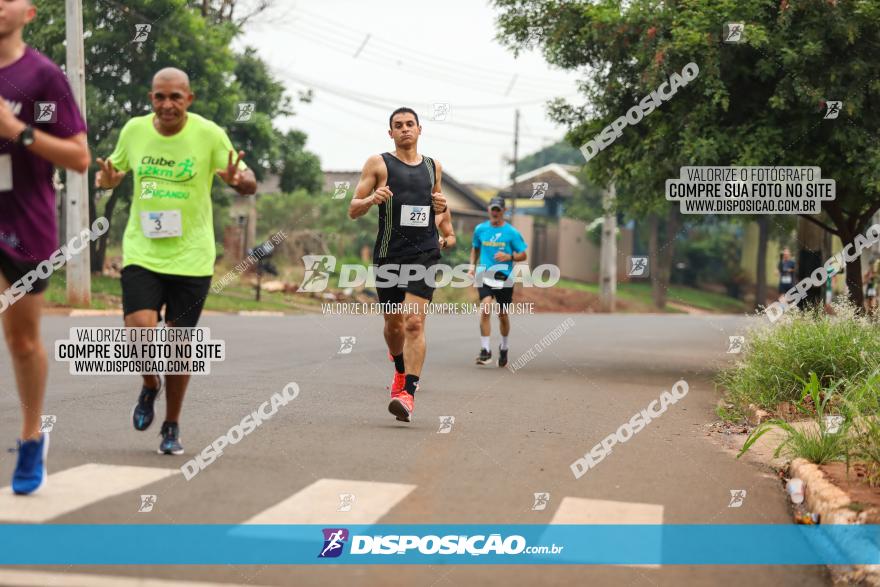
pixel 411 382
pixel 398 363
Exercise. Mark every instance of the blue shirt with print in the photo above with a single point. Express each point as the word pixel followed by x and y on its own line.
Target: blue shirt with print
pixel 494 239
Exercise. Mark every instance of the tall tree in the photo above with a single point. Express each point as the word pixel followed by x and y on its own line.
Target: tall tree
pixel 560 152
pixel 258 136
pixel 119 71
pixel 299 168
pixel 759 102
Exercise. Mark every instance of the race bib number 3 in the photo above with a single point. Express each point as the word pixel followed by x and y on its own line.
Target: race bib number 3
pixel 5 173
pixel 414 215
pixel 162 224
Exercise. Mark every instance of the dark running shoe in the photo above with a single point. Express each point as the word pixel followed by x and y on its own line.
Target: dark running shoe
pixel 170 444
pixel 502 357
pixel 485 357
pixel 142 414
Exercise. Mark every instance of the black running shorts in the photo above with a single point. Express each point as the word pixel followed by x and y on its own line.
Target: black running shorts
pixel 183 296
pixel 13 270
pixel 502 295
pixel 394 294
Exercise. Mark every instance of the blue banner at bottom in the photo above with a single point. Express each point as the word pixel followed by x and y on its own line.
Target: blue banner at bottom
pixel 421 544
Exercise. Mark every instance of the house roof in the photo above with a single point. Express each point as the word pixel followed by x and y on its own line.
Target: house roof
pixel 560 179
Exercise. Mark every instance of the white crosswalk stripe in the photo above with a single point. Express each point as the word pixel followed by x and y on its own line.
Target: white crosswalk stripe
pixel 579 510
pixel 41 579
pixel 76 488
pixel 322 502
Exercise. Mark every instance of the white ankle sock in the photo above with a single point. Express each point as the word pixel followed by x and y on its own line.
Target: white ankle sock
pixel 485 341
pixel 503 343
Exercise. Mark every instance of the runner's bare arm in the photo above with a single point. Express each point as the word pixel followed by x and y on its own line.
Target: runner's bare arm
pixel 242 181
pixel 443 220
pixel 447 234
pixel 475 252
pixel 71 152
pixel 511 257
pixel 438 200
pixel 248 183
pixel 364 194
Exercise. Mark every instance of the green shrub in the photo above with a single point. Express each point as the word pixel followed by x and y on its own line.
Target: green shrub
pixel 839 348
pixel 863 407
pixel 818 445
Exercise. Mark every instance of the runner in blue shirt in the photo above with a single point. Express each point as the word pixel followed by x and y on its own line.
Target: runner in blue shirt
pixel 498 245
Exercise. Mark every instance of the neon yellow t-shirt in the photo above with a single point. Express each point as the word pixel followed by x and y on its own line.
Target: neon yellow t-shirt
pixel 171 226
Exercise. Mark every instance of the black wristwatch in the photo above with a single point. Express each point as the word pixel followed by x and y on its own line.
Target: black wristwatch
pixel 26 137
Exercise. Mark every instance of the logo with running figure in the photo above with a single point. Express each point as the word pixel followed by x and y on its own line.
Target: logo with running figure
pixel 346 502
pixel 833 423
pixel 341 191
pixel 148 188
pixel 638 266
pixel 440 111
pixel 446 424
pixel 541 501
pixel 737 497
pixel 346 345
pixel 141 33
pixel 245 111
pixel 168 170
pixel 45 112
pixel 318 270
pixel 147 503
pixel 47 422
pixel 832 109
pixel 334 541
pixel 733 32
pixel 539 190
pixel 735 344
pixel 534 36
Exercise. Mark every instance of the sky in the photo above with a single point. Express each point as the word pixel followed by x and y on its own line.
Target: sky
pixel 419 53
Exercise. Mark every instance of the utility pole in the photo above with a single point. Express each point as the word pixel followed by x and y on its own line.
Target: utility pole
pixel 608 253
pixel 515 163
pixel 76 193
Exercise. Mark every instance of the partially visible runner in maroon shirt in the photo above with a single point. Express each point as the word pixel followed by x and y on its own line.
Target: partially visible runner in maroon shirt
pixel 40 128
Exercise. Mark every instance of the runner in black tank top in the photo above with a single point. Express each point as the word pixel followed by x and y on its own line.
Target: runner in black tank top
pixel 414 233
pixel 406 187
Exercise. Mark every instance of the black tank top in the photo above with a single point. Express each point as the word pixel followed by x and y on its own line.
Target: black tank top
pixel 406 220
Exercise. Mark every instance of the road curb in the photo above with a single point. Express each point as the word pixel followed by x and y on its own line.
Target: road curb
pixel 823 497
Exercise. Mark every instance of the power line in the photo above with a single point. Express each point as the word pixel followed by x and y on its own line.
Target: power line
pixel 347 49
pixel 455 74
pixel 382 104
pixel 395 52
pixel 429 136
pixel 335 26
pixel 453 78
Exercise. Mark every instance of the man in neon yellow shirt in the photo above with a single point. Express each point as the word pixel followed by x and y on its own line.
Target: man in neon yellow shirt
pixel 168 247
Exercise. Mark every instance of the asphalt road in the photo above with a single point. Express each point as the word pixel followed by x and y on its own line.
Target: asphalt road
pixel 514 435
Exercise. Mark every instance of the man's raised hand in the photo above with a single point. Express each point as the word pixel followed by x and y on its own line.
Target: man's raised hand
pixel 108 177
pixel 232 174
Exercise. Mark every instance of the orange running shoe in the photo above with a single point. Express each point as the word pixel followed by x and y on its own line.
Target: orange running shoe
pixel 402 406
pixel 398 384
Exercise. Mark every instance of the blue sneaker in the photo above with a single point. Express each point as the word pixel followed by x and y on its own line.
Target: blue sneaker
pixel 142 414
pixel 30 470
pixel 170 444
